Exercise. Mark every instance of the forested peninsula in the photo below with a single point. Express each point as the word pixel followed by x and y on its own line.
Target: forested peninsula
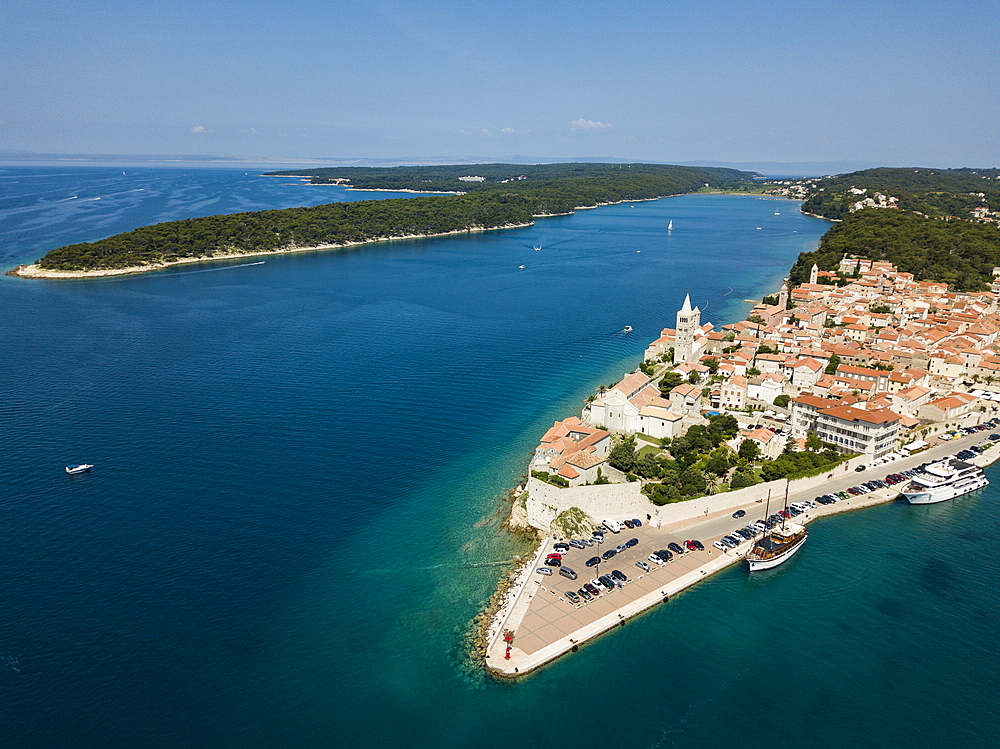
pixel 494 196
pixel 938 224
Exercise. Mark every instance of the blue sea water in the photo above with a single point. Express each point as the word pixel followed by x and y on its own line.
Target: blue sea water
pixel 292 516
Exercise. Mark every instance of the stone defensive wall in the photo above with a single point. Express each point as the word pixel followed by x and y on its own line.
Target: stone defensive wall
pixel 546 501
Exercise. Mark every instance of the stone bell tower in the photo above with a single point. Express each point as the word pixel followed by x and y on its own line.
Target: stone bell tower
pixel 688 323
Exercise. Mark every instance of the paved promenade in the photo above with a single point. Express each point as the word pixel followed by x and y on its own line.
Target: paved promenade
pixel 547 625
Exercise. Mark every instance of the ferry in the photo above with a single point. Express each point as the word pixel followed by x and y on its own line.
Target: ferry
pixel 82 468
pixel 776 547
pixel 944 480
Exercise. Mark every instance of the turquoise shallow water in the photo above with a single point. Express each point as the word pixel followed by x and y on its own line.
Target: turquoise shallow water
pixel 290 522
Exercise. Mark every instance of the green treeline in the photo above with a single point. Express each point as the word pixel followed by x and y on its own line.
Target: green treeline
pixel 959 253
pixel 573 183
pixel 480 207
pixel 932 192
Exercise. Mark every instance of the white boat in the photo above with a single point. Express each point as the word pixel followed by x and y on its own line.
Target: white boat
pixel 82 468
pixel 776 547
pixel 944 480
pixel 627 329
pixel 670 226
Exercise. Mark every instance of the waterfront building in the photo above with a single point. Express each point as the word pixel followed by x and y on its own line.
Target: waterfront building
pixel 856 430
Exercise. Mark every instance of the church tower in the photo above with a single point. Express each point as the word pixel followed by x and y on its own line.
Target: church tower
pixel 688 323
pixel 783 296
pixel 814 273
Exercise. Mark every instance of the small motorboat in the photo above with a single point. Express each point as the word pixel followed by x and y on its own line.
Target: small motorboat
pixel 82 468
pixel 627 329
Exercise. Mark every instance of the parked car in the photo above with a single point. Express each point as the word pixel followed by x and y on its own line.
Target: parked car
pixel 620 548
pixel 592 589
pixel 629 524
pixel 619 576
pixel 608 554
pixel 567 572
pixel 593 561
pixel 642 565
pixel 561 547
pixel 577 544
pixel 554 555
pixel 636 522
pixel 675 547
pixel 552 562
pixel 607 581
pixel 720 545
pixel 543 571
pixel 632 542
pixel 663 555
pixel 572 597
pixel 585 594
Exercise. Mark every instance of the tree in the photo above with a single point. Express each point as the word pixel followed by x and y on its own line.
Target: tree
pixel 813 442
pixel 669 381
pixel 622 455
pixel 693 377
pixel 782 400
pixel 756 319
pixel 749 450
pixel 741 480
pixel 718 464
pixel 831 368
pixel 713 365
pixel 753 372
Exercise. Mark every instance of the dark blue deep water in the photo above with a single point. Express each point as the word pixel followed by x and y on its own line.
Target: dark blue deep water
pixel 291 520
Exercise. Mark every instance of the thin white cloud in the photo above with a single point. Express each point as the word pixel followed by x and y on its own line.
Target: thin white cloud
pixel 487 133
pixel 200 129
pixel 586 125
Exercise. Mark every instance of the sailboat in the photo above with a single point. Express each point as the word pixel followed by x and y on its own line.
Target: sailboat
pixel 777 546
pixel 670 226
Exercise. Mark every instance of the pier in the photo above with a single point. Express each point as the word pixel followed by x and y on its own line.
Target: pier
pixel 546 625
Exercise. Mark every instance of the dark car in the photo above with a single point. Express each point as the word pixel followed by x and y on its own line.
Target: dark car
pixel 698 545
pixel 859 469
pixel 572 597
pixel 629 524
pixel 567 572
pixel 608 582
pixel 593 561
pixel 636 522
pixel 995 436
pixel 632 542
pixel 592 589
pixel 608 554
pixel 665 555
pixel 553 562
pixel 619 575
pixel 740 514
pixel 675 547
pixel 585 594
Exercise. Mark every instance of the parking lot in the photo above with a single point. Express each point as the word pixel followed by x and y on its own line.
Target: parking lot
pixel 543 619
pixel 551 616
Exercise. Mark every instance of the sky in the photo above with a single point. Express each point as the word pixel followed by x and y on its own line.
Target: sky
pixel 896 83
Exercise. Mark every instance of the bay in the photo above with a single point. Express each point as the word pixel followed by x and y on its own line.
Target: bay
pixel 291 519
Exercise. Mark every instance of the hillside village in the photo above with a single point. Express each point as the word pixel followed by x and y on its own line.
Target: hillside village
pixel 862 360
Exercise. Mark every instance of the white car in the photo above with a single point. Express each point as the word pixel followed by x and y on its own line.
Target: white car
pixel 544 571
pixel 720 546
pixel 655 559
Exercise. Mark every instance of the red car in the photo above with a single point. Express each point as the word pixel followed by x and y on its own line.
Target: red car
pixel 691 545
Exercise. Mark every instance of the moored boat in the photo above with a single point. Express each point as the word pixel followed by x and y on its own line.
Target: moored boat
pixel 776 547
pixel 82 468
pixel 944 480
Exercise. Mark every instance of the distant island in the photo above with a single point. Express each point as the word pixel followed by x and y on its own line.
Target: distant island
pixel 490 196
